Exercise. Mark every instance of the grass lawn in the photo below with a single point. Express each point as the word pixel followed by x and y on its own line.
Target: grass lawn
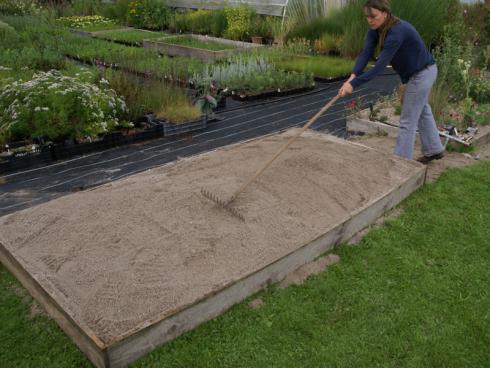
pixel 414 294
pixel 189 41
pixel 320 66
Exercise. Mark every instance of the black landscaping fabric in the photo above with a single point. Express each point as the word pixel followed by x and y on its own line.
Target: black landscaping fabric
pixel 239 122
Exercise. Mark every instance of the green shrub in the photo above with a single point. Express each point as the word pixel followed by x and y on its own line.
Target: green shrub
pixel 218 23
pixel 199 21
pixel 86 7
pixel 480 90
pixel 57 107
pixel 117 11
pixel 151 14
pixel 8 36
pixel 18 7
pixel 239 22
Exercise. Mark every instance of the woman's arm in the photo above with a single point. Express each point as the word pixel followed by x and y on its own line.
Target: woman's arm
pixel 367 53
pixel 393 42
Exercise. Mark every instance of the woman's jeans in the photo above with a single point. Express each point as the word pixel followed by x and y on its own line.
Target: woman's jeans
pixel 416 112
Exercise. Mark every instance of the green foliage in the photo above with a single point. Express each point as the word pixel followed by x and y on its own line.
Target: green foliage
pixel 301 13
pixel 428 17
pixel 319 66
pixel 57 107
pixel 144 96
pixel 25 45
pixel 315 29
pixel 86 22
pixel 218 23
pixel 239 21
pixel 480 89
pixel 8 36
pixel 249 75
pixel 117 11
pixel 86 7
pixel 189 41
pixel 328 44
pixel 151 14
pixel 18 7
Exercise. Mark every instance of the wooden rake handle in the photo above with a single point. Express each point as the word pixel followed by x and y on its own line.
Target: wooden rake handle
pixel 282 149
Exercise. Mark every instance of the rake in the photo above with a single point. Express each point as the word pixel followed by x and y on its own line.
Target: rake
pixel 226 204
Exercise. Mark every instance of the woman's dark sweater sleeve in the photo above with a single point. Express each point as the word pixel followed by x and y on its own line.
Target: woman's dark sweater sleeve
pixel 367 52
pixel 392 44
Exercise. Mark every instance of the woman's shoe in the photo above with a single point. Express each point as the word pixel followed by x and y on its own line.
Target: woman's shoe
pixel 426 159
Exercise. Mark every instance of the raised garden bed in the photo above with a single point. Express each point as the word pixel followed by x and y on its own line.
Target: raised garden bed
pixel 199 47
pixel 168 259
pixel 250 96
pixel 127 36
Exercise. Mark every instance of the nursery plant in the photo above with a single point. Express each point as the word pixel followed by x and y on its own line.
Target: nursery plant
pixel 239 20
pixel 319 66
pixel 57 107
pixel 189 41
pixel 150 14
pixel 133 37
pixel 147 96
pixel 250 75
pixel 87 23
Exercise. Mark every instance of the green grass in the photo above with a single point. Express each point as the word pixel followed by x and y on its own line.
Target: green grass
pixel 135 36
pixel 414 294
pixel 320 66
pixel 189 41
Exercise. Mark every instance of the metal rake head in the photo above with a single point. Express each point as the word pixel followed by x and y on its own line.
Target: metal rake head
pixel 224 204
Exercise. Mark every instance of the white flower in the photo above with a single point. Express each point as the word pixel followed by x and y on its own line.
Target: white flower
pixel 37 108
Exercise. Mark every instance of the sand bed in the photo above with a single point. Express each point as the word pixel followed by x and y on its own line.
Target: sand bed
pixel 126 255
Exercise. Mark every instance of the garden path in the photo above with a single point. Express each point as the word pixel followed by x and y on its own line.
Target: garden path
pixel 240 123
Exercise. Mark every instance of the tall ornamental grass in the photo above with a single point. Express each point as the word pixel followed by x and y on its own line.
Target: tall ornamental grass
pixel 428 17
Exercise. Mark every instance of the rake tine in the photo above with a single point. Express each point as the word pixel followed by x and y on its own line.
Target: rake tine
pixel 213 197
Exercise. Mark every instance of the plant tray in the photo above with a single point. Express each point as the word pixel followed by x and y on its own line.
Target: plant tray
pixel 53 152
pixel 276 93
pixel 171 129
pixel 171 49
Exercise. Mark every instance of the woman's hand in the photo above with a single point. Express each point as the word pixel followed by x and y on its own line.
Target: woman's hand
pixel 346 89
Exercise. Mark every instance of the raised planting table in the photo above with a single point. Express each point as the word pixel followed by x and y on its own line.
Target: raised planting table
pixel 128 36
pixel 199 47
pixel 389 126
pixel 129 265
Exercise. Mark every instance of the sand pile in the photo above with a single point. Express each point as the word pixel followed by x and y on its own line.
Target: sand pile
pixel 122 256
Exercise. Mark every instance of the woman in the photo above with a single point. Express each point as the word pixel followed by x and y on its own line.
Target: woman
pixel 402 46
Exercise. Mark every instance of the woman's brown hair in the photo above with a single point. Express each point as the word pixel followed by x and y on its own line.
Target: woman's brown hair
pixel 391 20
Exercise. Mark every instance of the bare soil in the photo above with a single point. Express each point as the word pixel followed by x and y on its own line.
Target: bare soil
pixel 125 255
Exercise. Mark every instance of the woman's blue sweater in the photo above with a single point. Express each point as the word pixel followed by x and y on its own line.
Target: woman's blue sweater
pixel 403 48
